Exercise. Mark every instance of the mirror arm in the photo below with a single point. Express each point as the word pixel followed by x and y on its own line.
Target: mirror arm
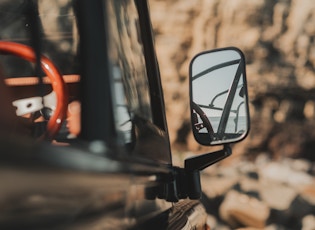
pixel 203 161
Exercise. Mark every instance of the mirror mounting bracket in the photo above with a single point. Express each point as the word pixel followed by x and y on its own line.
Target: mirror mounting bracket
pixel 194 165
pixel 203 161
pixel 185 182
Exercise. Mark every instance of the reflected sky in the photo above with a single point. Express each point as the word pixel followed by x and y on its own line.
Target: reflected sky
pixel 214 83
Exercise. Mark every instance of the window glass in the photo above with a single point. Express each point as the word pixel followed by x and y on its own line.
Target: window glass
pixel 58 34
pixel 131 95
pixel 131 92
pixel 57 38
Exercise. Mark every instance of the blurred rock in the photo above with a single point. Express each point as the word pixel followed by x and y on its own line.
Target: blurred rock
pixel 277 195
pixel 308 222
pixel 262 194
pixel 308 192
pixel 215 187
pixel 284 174
pixel 241 210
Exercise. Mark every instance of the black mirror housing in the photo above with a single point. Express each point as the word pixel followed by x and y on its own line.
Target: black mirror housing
pixel 218 96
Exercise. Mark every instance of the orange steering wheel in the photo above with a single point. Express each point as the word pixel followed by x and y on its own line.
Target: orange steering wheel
pixel 57 82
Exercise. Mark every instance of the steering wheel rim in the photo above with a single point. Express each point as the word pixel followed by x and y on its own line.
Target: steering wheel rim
pixel 203 118
pixel 58 85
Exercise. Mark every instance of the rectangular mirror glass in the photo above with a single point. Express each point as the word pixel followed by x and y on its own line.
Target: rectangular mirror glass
pixel 219 99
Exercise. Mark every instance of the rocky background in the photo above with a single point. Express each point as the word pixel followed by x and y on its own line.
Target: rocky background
pixel 278 39
pixel 269 180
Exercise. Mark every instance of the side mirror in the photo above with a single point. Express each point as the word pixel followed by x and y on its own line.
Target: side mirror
pixel 218 97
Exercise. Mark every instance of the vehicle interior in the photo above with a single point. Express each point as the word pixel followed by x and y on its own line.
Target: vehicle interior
pixel 42 92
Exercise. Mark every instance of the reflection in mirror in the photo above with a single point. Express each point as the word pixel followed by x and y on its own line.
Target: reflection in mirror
pixel 219 99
